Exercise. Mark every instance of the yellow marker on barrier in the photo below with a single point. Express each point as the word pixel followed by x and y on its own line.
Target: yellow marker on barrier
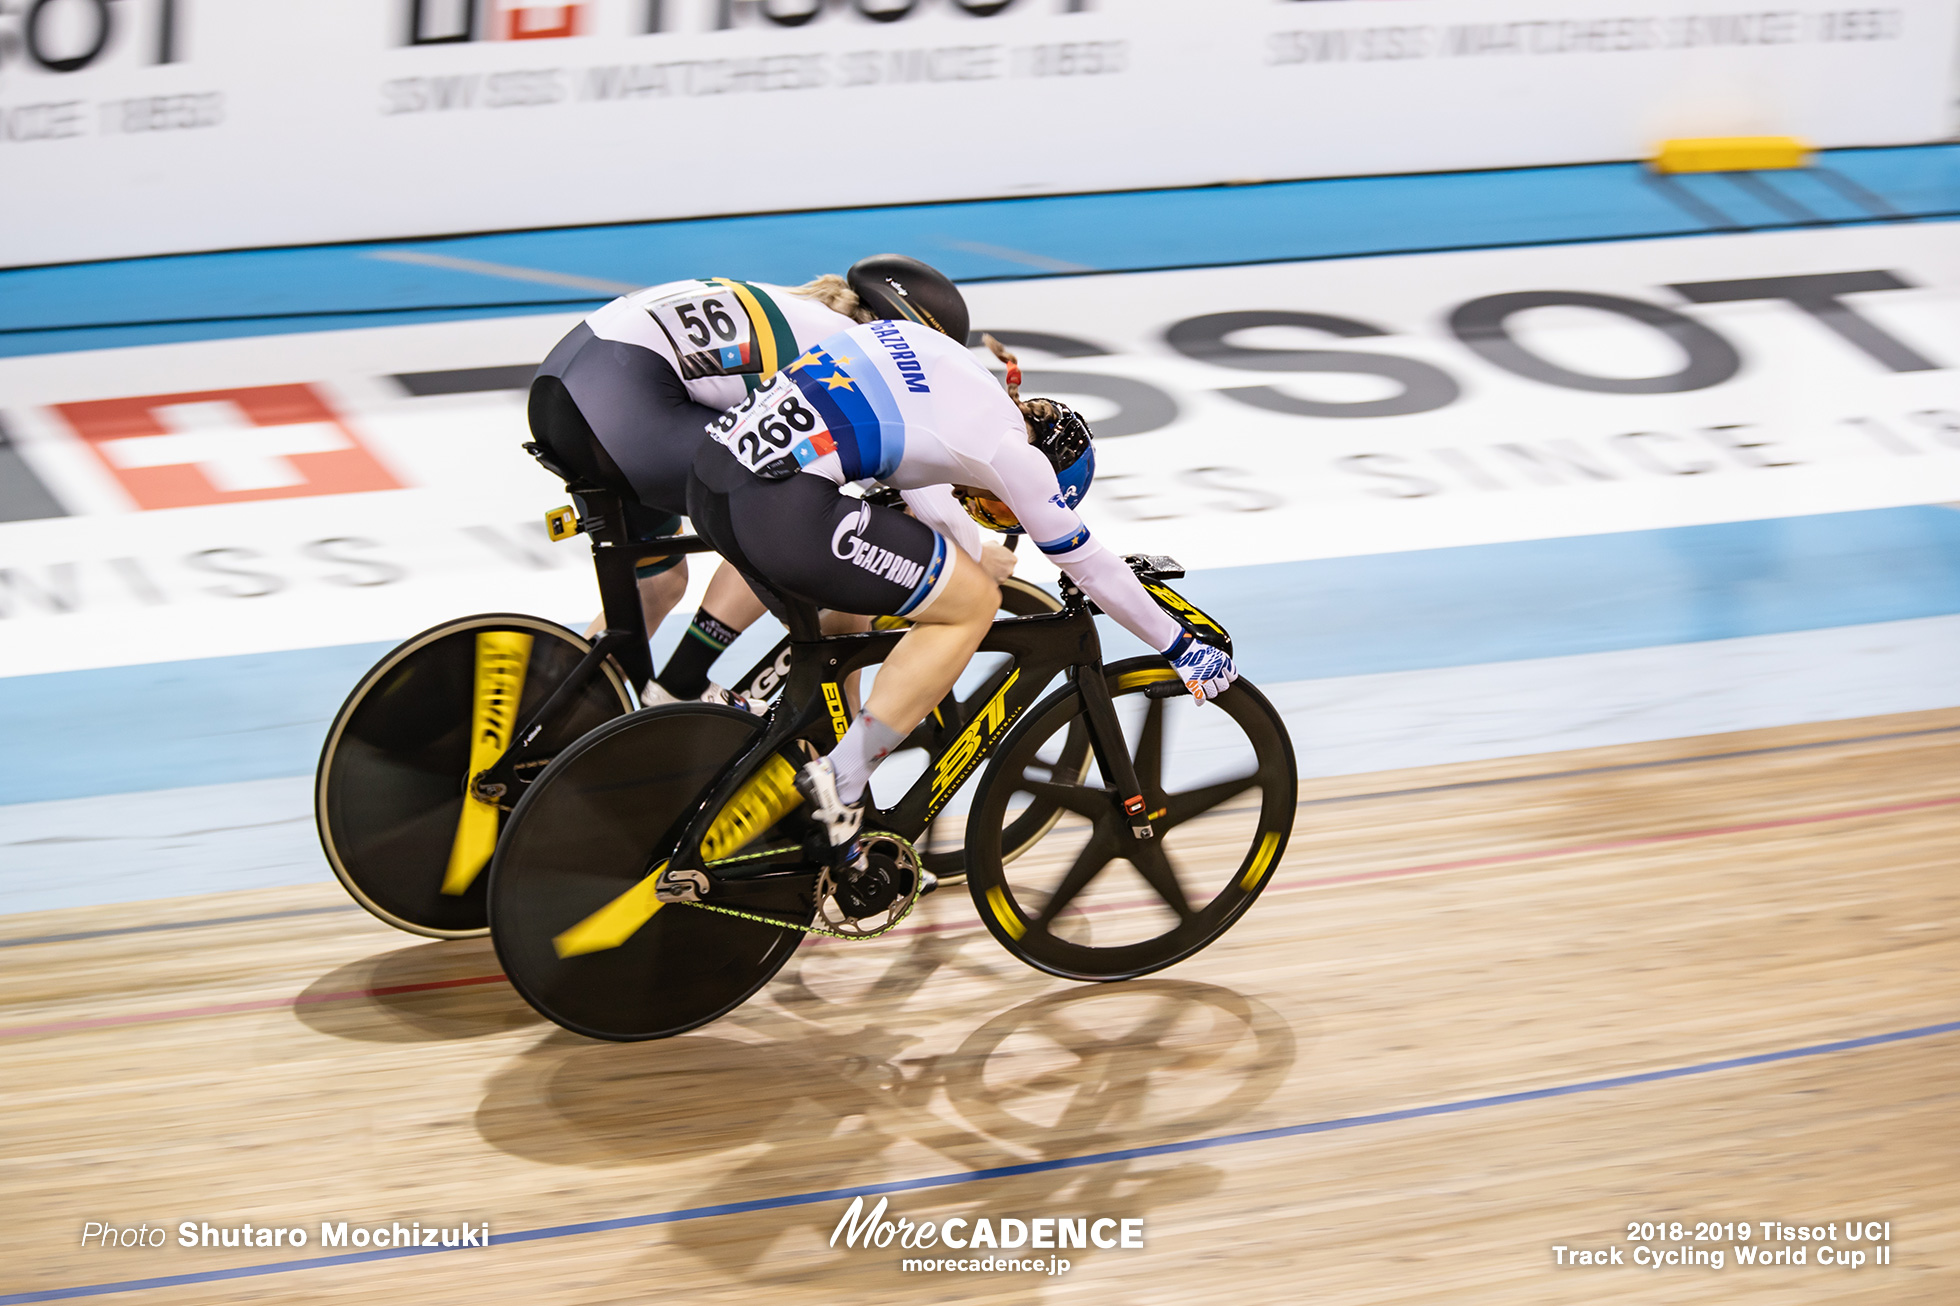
pixel 502 657
pixel 614 923
pixel 1151 676
pixel 1260 862
pixel 1731 154
pixel 1005 914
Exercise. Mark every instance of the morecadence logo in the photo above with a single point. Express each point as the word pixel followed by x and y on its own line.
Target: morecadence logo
pixel 982 1238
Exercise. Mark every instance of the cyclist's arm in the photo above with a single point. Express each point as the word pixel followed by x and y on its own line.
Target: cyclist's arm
pixel 936 507
pixel 1028 486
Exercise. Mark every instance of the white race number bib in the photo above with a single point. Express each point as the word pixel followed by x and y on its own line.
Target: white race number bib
pixel 710 331
pixel 775 432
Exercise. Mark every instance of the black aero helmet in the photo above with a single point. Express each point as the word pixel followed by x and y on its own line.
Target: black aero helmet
pixel 906 290
pixel 1068 444
pixel 1059 432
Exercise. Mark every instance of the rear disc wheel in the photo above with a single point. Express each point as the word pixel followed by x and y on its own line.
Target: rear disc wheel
pixel 389 790
pixel 593 826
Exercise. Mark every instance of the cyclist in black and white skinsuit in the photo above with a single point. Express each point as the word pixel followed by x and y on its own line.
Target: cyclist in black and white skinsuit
pixel 624 399
pixel 891 403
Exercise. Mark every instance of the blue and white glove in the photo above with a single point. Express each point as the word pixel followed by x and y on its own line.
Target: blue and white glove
pixel 1205 671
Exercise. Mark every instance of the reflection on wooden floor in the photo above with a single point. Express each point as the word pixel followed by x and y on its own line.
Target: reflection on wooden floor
pixel 1433 937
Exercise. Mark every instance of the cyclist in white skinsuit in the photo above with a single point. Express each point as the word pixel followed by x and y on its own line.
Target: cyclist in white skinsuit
pixel 623 400
pixel 894 403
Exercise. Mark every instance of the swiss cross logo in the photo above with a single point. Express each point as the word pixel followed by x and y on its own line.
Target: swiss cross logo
pixel 531 22
pixel 226 446
pixel 442 22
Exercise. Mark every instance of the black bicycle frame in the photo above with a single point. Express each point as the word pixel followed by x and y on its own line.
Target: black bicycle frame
pixel 815 666
pixel 811 712
pixel 615 553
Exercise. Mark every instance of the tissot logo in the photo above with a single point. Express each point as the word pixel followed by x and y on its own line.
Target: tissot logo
pixel 67 36
pixel 447 22
pixel 795 13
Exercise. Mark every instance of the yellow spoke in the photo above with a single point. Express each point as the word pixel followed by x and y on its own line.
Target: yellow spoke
pixel 614 923
pixel 769 796
pixel 502 657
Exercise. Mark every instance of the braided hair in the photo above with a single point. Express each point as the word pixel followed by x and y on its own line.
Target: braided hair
pixel 1037 413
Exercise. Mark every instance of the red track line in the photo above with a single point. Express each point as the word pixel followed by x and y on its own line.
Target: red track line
pixel 1502 859
pixel 1398 872
pixel 1642 841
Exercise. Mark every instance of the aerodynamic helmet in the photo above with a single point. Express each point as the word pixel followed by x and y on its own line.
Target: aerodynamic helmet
pixel 906 290
pixel 1068 444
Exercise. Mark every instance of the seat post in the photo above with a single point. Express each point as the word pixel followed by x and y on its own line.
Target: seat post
pixel 804 622
pixel 613 557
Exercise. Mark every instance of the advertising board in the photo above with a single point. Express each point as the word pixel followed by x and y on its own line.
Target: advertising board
pixel 133 127
pixel 290 491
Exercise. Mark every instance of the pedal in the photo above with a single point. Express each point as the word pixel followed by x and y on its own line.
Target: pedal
pixel 865 901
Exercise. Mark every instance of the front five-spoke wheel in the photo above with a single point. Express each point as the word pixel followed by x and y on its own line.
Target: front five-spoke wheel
pixel 1090 901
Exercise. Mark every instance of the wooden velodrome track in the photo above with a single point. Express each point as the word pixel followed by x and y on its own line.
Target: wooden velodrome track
pixel 1434 939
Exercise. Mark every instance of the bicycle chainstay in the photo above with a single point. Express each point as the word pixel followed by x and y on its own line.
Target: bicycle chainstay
pixel 813 927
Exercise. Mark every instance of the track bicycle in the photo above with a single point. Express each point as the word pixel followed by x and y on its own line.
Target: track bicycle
pixel 663 867
pixel 432 749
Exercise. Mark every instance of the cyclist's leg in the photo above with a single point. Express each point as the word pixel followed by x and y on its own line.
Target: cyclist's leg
pixel 731 597
pixel 917 674
pixel 727 609
pixel 663 582
pixel 619 415
pixel 805 537
pixel 930 657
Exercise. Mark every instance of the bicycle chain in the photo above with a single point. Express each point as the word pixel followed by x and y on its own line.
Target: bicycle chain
pixel 813 927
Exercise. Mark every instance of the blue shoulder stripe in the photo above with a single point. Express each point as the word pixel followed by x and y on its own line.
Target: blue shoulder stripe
pixel 1067 544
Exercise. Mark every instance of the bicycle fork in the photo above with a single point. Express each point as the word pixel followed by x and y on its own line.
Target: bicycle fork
pixel 1112 757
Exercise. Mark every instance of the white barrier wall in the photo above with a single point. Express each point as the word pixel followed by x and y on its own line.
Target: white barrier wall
pixel 146 126
pixel 282 491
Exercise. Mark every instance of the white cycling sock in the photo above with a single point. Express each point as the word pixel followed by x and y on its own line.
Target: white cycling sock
pixel 868 742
